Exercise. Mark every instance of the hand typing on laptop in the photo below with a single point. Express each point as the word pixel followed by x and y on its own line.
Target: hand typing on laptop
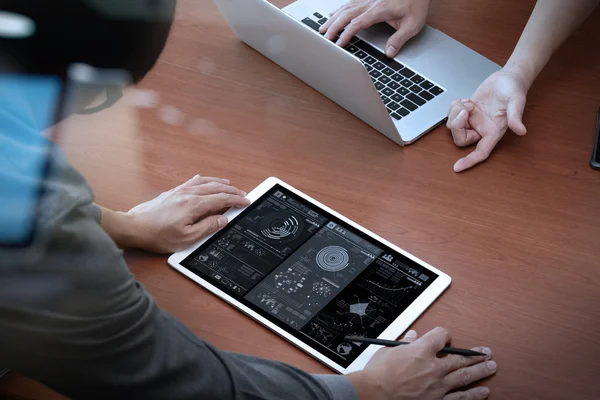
pixel 176 219
pixel 407 16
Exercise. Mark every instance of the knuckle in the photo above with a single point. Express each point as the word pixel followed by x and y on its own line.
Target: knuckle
pixel 214 185
pixel 480 156
pixel 423 353
pixel 415 26
pixel 197 179
pixel 354 23
pixel 224 197
pixel 443 331
pixel 459 142
pixel 212 225
pixel 358 22
pixel 465 376
pixel 380 4
pixel 345 15
pixel 462 361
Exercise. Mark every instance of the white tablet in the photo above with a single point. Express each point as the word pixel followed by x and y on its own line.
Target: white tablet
pixel 312 276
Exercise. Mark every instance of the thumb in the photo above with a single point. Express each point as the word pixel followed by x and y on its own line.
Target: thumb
pixel 410 336
pixel 515 110
pixel 207 226
pixel 397 40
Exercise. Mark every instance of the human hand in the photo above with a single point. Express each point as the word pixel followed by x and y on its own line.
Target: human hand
pixel 180 217
pixel 415 371
pixel 407 16
pixel 498 104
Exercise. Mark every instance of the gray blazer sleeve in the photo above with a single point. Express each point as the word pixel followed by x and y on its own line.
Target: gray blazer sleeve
pixel 73 317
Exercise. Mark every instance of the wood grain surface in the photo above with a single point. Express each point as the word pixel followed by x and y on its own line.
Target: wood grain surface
pixel 520 234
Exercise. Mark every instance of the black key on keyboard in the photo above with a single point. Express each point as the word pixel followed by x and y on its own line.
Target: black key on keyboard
pixel 354 40
pixel 322 21
pixel 385 99
pixel 361 44
pixel 318 15
pixel 393 85
pixel 426 85
pixel 393 106
pixel 379 65
pixel 388 71
pixel 397 77
pixel 361 54
pixel 416 89
pixel 436 91
pixel 406 83
pixel 396 116
pixel 407 73
pixel 397 97
pixel 374 73
pixel 395 65
pixel 409 105
pixel 384 79
pixel 379 85
pixel 403 111
pixel 352 49
pixel 417 79
pixel 369 68
pixel 387 91
pixel 426 95
pixel 370 60
pixel 403 91
pixel 415 99
pixel 309 22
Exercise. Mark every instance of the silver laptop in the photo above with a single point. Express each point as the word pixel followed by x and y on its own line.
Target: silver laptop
pixel 403 98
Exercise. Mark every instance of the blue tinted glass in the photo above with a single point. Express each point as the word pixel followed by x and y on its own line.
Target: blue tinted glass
pixel 27 107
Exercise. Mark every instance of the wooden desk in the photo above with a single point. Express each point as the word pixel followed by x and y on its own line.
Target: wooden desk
pixel 520 234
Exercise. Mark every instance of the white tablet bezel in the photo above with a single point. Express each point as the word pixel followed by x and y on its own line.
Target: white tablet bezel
pixel 393 331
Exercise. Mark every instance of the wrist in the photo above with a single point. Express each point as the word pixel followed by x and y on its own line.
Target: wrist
pixel 524 69
pixel 365 387
pixel 122 228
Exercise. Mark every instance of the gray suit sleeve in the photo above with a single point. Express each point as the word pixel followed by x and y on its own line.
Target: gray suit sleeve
pixel 74 318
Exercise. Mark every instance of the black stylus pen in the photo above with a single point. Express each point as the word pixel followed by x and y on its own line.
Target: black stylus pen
pixel 393 343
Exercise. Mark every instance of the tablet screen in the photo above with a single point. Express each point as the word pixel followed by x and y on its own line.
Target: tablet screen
pixel 310 273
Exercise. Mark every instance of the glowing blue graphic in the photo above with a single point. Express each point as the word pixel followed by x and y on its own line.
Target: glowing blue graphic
pixel 27 107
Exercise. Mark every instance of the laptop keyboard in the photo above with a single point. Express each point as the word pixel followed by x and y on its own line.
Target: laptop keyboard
pixel 402 90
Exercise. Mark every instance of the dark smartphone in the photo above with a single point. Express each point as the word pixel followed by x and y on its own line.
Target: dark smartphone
pixel 595 162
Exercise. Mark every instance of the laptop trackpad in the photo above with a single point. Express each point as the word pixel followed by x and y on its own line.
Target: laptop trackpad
pixel 379 34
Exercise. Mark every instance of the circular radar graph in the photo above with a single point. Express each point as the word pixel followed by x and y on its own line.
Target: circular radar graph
pixel 280 226
pixel 360 312
pixel 333 258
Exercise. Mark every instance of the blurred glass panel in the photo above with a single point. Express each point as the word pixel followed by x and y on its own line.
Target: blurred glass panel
pixel 28 106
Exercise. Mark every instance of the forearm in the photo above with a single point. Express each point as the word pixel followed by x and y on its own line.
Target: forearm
pixel 550 24
pixel 78 322
pixel 120 227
